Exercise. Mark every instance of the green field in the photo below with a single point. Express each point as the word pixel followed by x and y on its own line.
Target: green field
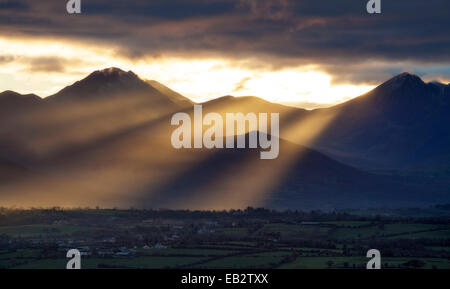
pixel 259 260
pixel 359 262
pixel 41 230
pixel 397 230
pixel 150 262
pixel 289 231
pixel 347 223
pixel 438 234
pixel 185 251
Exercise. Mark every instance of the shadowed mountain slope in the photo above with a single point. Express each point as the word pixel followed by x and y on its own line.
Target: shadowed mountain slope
pixel 402 123
pixel 298 178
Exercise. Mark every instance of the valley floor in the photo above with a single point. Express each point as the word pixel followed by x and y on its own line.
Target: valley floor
pixel 253 238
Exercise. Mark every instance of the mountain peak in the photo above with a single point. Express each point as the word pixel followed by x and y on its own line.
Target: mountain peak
pixel 105 82
pixel 402 84
pixel 405 77
pixel 113 71
pixel 113 74
pixel 9 94
pixel 113 83
pixel 401 97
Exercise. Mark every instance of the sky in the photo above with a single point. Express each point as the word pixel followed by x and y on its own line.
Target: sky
pixel 306 53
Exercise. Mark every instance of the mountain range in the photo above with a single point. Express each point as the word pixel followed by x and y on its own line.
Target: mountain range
pixel 105 140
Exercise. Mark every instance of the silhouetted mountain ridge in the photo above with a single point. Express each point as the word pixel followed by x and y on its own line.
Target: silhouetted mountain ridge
pixel 13 103
pixel 110 135
pixel 9 98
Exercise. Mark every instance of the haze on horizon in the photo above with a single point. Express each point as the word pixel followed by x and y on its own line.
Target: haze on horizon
pixel 303 53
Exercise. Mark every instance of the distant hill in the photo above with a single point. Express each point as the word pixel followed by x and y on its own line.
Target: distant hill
pixel 246 104
pixel 12 102
pixel 300 178
pixel 13 107
pixel 142 170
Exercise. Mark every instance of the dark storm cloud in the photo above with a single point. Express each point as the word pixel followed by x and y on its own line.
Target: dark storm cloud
pixel 46 64
pixel 13 5
pixel 171 10
pixel 333 34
